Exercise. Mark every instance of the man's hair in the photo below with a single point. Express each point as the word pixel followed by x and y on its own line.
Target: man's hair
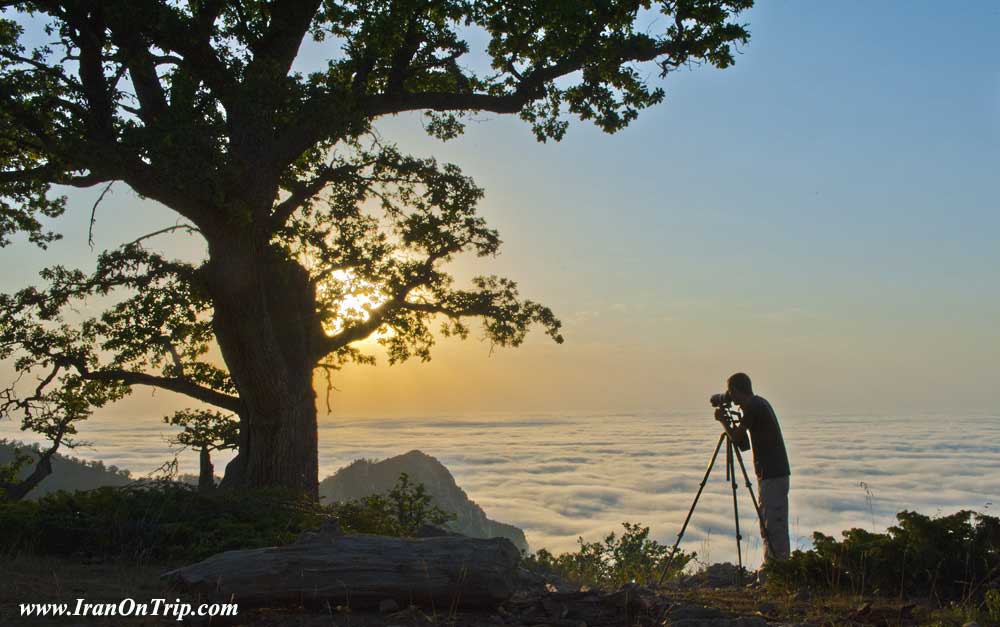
pixel 741 383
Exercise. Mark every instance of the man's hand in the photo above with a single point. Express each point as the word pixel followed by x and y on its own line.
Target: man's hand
pixel 720 414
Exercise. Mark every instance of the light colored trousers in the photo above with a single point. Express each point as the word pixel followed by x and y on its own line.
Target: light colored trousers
pixel 774 509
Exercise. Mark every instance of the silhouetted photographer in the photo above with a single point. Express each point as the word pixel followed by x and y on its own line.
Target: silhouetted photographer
pixel 770 459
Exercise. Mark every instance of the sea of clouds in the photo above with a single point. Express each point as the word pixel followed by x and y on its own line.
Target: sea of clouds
pixel 564 477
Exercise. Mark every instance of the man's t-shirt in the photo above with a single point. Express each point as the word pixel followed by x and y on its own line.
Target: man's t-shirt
pixel 769 457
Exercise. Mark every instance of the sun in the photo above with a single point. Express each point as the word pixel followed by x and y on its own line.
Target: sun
pixel 348 300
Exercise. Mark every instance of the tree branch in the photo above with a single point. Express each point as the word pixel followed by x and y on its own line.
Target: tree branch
pixel 302 192
pixel 380 314
pixel 142 70
pixel 279 45
pixel 17 490
pixel 169 229
pixel 173 384
pixel 93 215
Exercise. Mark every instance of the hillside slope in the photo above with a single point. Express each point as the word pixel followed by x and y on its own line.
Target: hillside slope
pixel 68 473
pixel 365 477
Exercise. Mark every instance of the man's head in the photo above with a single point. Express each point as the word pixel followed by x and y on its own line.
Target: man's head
pixel 739 388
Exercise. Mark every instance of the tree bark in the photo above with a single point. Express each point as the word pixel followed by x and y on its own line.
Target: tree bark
pixel 266 326
pixel 13 492
pixel 359 572
pixel 206 475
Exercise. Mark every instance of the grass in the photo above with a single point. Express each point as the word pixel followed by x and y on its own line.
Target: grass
pixel 827 610
pixel 43 579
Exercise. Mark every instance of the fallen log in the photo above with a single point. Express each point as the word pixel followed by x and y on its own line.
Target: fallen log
pixel 359 571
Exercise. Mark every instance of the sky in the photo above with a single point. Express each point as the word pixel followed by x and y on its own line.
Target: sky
pixel 822 216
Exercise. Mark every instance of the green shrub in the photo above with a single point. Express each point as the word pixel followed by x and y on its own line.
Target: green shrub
pixel 161 521
pixel 167 521
pixel 946 558
pixel 402 511
pixel 630 557
pixel 992 602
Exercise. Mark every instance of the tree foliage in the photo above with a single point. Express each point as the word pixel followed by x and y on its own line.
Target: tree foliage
pixel 204 430
pixel 318 234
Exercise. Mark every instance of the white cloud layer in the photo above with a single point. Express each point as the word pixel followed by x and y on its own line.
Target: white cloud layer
pixel 561 477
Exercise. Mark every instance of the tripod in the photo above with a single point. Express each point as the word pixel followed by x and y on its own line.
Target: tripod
pixel 731 452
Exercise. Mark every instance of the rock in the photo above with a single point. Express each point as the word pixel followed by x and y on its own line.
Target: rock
pixel 742 621
pixel 329 529
pixel 388 606
pixel 360 571
pixel 694 615
pixel 430 531
pixel 721 575
pixel 557 584
pixel 971 623
pixel 767 608
pixel 632 598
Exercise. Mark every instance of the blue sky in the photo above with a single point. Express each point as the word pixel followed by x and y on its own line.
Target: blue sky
pixel 822 215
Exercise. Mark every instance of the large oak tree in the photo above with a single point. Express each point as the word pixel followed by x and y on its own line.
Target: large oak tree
pixel 318 233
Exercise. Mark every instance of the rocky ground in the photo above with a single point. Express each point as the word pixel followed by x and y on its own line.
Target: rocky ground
pixel 709 599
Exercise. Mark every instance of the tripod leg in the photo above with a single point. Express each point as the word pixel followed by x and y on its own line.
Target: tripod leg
pixel 753 499
pixel 697 496
pixel 736 513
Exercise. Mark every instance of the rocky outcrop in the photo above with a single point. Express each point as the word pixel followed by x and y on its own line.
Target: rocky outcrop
pixel 365 477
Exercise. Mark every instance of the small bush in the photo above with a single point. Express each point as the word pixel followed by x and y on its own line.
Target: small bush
pixel 401 512
pixel 165 521
pixel 947 559
pixel 630 557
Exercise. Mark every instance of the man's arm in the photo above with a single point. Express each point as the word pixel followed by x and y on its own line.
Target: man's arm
pixel 737 434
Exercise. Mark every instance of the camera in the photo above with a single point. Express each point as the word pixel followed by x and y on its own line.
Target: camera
pixel 721 400
pixel 731 415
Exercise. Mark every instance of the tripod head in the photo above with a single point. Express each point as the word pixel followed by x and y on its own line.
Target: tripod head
pixel 731 419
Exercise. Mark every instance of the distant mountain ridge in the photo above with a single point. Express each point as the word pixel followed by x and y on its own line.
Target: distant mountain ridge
pixel 68 473
pixel 364 477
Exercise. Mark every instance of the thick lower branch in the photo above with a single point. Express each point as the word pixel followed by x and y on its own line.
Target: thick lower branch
pixel 174 384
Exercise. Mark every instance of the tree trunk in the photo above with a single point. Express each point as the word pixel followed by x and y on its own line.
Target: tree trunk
pixel 206 476
pixel 265 323
pixel 360 571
